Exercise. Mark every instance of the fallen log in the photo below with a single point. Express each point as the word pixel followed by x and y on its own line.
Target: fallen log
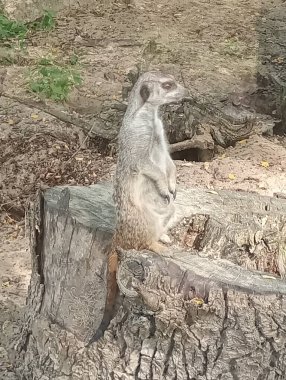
pixel 202 311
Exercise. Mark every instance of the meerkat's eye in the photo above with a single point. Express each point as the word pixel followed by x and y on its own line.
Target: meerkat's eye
pixel 168 85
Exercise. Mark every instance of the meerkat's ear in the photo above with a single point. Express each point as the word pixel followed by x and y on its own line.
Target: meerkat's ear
pixel 144 92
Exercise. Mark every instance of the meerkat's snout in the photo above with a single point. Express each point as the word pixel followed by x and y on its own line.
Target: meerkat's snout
pixel 179 93
pixel 184 92
pixel 174 90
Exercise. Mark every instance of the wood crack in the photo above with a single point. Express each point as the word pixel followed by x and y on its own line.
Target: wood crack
pixel 224 327
pixel 169 352
pixel 245 309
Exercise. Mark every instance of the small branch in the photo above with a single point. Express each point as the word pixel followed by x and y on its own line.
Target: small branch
pixel 98 129
pixel 204 141
pixel 279 195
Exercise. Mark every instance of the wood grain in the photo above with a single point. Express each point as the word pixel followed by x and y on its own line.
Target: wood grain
pixel 202 313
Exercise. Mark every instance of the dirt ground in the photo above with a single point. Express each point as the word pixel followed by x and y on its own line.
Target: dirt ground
pixel 216 48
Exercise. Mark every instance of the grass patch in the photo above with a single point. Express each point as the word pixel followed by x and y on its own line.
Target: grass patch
pixel 232 47
pixel 53 81
pixel 46 22
pixel 12 29
pixel 16 29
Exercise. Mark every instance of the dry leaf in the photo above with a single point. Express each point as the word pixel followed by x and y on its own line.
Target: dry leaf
pixel 212 192
pixel 232 176
pixel 222 156
pixel 34 116
pixel 54 50
pixel 198 301
pixel 206 165
pixel 10 122
pixel 242 142
pixel 79 158
pixel 278 60
pixel 265 164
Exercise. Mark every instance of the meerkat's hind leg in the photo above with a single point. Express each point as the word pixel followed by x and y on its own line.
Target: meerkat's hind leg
pixel 165 238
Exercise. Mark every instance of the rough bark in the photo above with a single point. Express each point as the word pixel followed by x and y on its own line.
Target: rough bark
pixel 197 314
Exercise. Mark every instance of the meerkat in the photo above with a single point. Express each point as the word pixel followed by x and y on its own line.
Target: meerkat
pixel 145 178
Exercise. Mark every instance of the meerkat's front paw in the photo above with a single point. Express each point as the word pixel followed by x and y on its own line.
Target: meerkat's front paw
pixel 165 239
pixel 166 197
pixel 173 192
pixel 172 187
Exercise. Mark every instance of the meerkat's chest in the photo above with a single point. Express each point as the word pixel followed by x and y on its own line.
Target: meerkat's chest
pixel 159 134
pixel 159 146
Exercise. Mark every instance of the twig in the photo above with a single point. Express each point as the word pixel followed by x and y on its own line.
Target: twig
pixel 99 129
pixel 81 145
pixel 6 203
pixel 104 42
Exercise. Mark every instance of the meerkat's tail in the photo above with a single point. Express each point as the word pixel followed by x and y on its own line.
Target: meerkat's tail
pixel 112 291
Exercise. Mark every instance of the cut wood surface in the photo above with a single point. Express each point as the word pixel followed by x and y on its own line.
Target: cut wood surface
pixel 194 312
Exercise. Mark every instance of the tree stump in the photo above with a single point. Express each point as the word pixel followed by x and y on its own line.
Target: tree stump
pixel 214 307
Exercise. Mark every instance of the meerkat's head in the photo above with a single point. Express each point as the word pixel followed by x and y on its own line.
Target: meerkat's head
pixel 157 88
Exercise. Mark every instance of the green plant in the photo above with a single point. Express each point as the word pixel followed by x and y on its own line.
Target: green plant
pixel 11 29
pixel 53 81
pixel 74 59
pixel 46 22
pixel 16 29
pixel 232 47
